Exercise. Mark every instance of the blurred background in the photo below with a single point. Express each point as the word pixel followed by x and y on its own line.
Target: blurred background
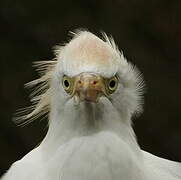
pixel 148 32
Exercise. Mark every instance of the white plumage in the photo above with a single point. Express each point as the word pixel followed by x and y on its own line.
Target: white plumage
pixel 90 92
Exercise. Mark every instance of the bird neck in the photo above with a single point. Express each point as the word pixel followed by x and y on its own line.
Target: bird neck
pixel 85 121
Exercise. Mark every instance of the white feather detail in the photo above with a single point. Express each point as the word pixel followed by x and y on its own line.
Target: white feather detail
pixel 40 96
pixel 162 166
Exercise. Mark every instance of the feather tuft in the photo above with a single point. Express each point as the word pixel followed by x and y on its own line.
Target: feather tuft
pixel 40 96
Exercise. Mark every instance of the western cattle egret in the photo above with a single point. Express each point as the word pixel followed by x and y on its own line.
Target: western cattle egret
pixel 89 92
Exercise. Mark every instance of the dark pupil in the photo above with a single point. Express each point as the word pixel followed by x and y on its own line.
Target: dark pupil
pixel 112 84
pixel 66 83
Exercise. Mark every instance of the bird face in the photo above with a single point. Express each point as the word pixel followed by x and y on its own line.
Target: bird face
pixel 89 86
pixel 90 73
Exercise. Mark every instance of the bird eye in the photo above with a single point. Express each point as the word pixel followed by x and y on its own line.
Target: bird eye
pixel 67 83
pixel 112 85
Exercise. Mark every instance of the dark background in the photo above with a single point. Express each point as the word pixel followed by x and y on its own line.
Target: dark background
pixel 148 32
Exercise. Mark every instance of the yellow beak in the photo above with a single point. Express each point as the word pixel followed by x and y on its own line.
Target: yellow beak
pixel 89 87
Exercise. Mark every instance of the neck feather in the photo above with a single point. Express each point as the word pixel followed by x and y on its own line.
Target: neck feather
pixel 86 120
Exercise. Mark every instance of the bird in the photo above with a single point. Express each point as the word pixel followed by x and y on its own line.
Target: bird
pixel 89 92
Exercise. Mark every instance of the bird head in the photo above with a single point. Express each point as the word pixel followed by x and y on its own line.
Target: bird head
pixel 89 76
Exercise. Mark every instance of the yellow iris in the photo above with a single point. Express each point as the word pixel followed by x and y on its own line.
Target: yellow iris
pixel 111 85
pixel 68 84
